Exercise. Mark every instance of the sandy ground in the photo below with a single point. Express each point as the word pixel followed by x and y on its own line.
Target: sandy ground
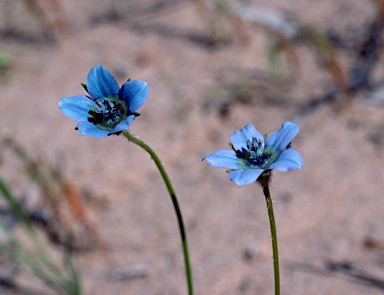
pixel 325 213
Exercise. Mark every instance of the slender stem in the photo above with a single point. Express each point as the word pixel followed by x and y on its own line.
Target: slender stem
pixel 264 180
pixel 188 270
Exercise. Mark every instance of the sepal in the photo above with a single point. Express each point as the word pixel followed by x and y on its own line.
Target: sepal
pixel 84 86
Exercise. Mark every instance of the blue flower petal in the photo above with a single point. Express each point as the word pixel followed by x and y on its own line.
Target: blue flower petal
pixel 76 107
pixel 279 140
pixel 288 160
pixel 134 93
pixel 224 159
pixel 123 125
pixel 243 177
pixel 100 83
pixel 240 137
pixel 87 128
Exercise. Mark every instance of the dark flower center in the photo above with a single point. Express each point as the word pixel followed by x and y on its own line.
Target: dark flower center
pixel 255 154
pixel 107 113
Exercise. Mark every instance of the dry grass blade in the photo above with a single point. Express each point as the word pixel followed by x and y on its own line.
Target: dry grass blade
pixel 57 222
pixel 327 54
pixel 49 13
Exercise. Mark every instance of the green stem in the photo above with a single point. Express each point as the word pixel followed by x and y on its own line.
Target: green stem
pixel 264 180
pixel 172 194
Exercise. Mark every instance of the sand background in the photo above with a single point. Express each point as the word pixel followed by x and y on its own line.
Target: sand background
pixel 325 213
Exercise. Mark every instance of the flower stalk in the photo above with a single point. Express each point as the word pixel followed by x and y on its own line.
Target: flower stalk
pixel 264 182
pixel 172 194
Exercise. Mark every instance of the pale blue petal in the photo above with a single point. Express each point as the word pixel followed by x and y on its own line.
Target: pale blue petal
pixel 123 125
pixel 76 107
pixel 224 159
pixel 100 83
pixel 243 177
pixel 288 160
pixel 279 140
pixel 240 137
pixel 87 128
pixel 134 93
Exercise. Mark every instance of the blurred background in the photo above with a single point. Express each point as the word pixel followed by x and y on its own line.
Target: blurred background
pixel 81 211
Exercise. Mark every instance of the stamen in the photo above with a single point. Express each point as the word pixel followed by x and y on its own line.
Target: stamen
pixel 250 145
pixel 108 114
pixel 100 103
pixel 255 153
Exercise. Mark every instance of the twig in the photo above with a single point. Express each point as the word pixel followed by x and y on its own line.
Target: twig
pixel 123 273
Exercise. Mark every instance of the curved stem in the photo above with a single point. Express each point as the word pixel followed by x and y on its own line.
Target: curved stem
pixel 264 180
pixel 147 148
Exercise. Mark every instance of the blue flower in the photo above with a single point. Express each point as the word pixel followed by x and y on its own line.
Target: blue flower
pixel 107 109
pixel 252 153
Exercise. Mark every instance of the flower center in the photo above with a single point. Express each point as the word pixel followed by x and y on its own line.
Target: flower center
pixel 107 113
pixel 255 154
